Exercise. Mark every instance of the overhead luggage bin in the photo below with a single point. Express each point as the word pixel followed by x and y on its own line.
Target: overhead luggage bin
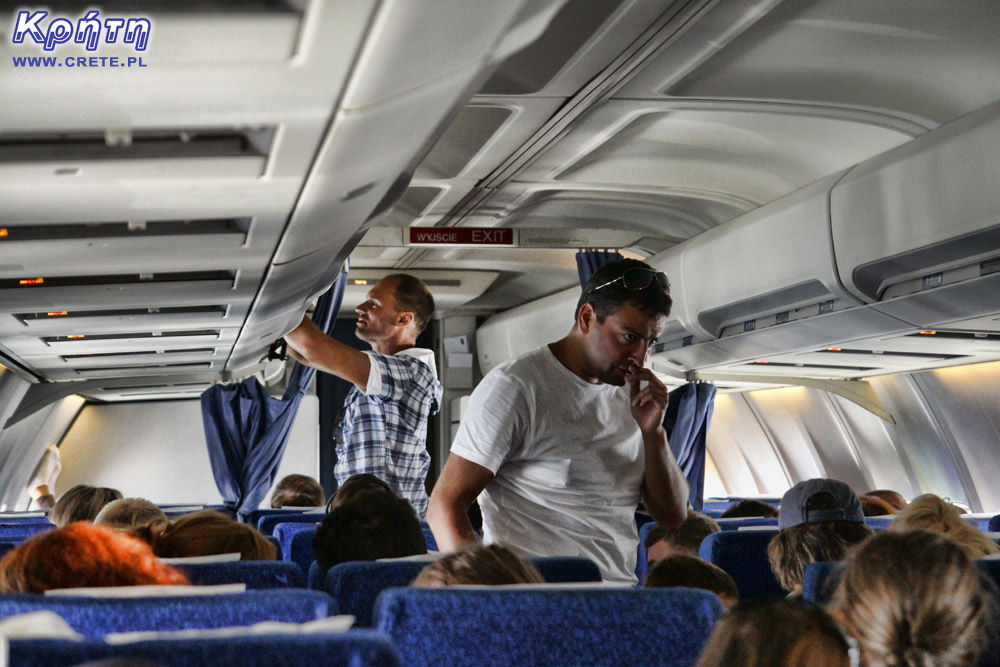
pixel 926 255
pixel 753 273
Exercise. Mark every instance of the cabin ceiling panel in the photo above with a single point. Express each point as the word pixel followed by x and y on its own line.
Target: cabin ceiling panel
pixel 754 156
pixel 926 61
pixel 485 133
pixel 662 215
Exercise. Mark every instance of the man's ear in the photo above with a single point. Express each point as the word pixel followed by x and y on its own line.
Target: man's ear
pixel 404 319
pixel 587 317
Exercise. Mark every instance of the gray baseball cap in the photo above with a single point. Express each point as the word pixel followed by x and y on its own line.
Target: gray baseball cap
pixel 795 508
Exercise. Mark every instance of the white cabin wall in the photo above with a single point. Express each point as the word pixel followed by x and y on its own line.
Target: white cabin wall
pixel 946 439
pixel 157 450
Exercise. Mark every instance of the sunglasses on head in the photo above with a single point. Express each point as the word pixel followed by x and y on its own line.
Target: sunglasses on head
pixel 639 279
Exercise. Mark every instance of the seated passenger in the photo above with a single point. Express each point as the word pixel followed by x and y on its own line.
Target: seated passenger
pixel 81 503
pixel 82 555
pixel 873 506
pixel 820 520
pixel 355 485
pixel 749 507
pixel 776 633
pixel 691 572
pixel 932 513
pixel 205 533
pixel 478 565
pixel 375 523
pixel 913 599
pixel 126 513
pixel 687 539
pixel 894 498
pixel 298 491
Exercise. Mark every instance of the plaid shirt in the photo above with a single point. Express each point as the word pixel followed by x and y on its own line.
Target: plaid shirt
pixel 385 433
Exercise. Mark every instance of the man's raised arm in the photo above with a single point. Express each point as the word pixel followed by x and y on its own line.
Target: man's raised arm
pixel 460 484
pixel 310 346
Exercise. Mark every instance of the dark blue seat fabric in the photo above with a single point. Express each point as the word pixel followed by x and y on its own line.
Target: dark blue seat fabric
pixel 94 617
pixel 641 560
pixel 254 517
pixel 269 522
pixel 746 521
pixel 994 525
pixel 980 522
pixel 29 517
pixel 351 649
pixel 428 536
pixel 355 586
pixel 879 522
pixel 17 532
pixel 256 574
pixel 743 555
pixel 820 581
pixel 6 547
pixel 296 541
pixel 603 626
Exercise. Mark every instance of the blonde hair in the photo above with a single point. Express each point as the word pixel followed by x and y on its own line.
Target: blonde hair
pixel 930 512
pixel 205 533
pixel 913 599
pixel 492 565
pixel 784 632
pixel 81 503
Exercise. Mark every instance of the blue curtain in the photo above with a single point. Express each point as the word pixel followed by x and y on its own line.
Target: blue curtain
pixel 688 416
pixel 588 261
pixel 247 430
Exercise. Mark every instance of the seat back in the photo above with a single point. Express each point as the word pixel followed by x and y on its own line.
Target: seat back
pixel 538 626
pixel 296 541
pixel 428 536
pixel 267 523
pixel 820 581
pixel 743 555
pixel 994 525
pixel 22 530
pixel 355 586
pixel 320 650
pixel 95 617
pixel 879 522
pixel 256 574
pixel 641 557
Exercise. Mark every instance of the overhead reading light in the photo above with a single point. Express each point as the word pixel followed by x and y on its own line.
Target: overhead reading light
pixel 359 282
pixel 61 313
pixel 75 336
pixel 833 349
pixel 31 281
pixel 3 232
pixel 928 333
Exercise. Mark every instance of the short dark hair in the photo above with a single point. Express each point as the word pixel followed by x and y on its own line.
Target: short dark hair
pixel 681 570
pixel 353 486
pixel 750 508
pixel 688 538
pixel 298 491
pixel 651 300
pixel 371 525
pixel 412 295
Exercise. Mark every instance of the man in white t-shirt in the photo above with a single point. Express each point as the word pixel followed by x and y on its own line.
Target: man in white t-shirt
pixel 560 444
pixel 396 390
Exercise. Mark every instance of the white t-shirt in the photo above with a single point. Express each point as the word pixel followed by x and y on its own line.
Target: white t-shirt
pixel 567 460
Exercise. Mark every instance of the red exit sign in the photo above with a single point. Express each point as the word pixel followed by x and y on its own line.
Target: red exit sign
pixel 492 236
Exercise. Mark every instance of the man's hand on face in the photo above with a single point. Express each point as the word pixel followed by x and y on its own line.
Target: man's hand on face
pixel 649 403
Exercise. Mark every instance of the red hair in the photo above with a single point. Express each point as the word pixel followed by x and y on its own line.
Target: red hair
pixel 82 555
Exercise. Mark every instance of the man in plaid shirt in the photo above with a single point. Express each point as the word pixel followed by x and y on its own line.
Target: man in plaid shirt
pixel 384 427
